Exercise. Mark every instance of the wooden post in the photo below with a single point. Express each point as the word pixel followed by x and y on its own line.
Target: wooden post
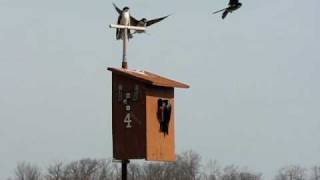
pixel 124 169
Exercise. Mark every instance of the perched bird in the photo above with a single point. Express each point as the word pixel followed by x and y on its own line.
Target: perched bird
pixel 123 19
pixel 232 6
pixel 141 23
pixel 164 115
pixel 145 23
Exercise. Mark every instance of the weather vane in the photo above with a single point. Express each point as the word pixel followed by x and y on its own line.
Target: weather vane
pixel 127 26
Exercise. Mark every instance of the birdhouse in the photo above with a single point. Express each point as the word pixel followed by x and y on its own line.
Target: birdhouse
pixel 143 115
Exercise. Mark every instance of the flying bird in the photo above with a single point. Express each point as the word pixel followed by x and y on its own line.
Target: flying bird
pixel 232 6
pixel 123 19
pixel 142 22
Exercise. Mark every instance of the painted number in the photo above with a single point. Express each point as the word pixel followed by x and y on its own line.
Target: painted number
pixel 127 120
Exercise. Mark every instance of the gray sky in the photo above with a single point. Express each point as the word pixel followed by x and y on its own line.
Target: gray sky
pixel 254 98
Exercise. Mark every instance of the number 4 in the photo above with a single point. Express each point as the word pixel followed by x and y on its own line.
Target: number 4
pixel 128 121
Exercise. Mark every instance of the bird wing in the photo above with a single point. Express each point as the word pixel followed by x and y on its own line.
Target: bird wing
pixel 152 21
pixel 133 21
pixel 118 34
pixel 117 9
pixel 219 11
pixel 233 1
pixel 224 14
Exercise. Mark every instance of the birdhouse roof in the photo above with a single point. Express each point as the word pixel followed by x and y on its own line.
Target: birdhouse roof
pixel 148 78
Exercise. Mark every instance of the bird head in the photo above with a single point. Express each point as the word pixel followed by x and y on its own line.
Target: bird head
pixel 240 4
pixel 144 20
pixel 125 9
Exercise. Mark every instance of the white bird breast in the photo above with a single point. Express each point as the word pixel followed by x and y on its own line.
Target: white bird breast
pixel 125 20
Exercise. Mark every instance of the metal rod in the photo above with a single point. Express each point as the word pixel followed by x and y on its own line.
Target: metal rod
pixel 125 40
pixel 127 27
pixel 125 47
pixel 124 166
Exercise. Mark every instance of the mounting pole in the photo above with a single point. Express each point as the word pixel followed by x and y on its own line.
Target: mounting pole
pixel 125 48
pixel 125 40
pixel 124 169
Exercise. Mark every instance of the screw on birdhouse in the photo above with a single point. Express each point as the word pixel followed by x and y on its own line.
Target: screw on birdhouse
pixel 125 101
pixel 128 95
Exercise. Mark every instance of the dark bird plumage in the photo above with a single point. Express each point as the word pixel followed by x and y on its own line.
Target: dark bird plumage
pixel 164 115
pixel 145 23
pixel 232 6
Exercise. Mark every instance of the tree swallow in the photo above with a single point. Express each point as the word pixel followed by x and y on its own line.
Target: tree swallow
pixel 232 6
pixel 145 23
pixel 123 19
pixel 142 23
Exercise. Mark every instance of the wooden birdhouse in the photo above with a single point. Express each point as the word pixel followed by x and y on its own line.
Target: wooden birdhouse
pixel 143 115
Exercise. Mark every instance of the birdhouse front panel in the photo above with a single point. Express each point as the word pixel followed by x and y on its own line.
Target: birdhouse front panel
pixel 128 118
pixel 160 124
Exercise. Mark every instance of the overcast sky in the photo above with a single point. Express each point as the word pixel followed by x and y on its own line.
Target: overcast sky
pixel 255 79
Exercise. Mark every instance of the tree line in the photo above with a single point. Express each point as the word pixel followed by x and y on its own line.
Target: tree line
pixel 188 166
